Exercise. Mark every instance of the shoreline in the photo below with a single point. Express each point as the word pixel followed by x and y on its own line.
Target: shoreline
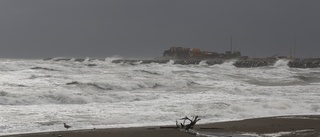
pixel 293 126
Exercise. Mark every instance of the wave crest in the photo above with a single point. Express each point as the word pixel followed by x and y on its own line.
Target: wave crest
pixel 281 63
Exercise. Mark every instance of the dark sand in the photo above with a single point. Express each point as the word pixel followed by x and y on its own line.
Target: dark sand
pixel 289 126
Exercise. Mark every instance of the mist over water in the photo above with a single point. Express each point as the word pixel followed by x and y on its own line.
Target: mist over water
pixel 37 95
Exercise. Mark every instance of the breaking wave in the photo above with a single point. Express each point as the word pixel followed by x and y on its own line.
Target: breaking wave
pixel 281 63
pixel 107 94
pixel 97 86
pixel 41 68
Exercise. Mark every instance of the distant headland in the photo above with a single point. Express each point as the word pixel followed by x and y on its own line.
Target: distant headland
pixel 187 56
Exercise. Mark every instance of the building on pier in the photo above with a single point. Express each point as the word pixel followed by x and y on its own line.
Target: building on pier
pixel 197 54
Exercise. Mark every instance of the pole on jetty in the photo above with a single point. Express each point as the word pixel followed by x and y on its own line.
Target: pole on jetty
pixel 231 48
pixel 294 46
pixel 290 52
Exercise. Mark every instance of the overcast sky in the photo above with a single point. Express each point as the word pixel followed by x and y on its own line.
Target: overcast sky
pixel 145 28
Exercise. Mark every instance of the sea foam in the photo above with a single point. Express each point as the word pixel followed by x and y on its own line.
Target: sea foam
pixel 37 95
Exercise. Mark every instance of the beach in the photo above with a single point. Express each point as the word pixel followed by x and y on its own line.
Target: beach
pixel 286 126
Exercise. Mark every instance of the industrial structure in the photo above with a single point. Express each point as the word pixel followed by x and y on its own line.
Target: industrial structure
pixel 196 54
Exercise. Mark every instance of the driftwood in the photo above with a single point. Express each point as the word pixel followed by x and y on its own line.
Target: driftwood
pixel 168 127
pixel 185 126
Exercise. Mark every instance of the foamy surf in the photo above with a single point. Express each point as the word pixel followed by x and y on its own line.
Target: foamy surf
pixel 38 95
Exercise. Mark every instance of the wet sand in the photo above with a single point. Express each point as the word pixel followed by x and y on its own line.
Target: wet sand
pixel 286 126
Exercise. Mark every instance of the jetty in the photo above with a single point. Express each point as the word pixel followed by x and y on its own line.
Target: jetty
pixel 194 56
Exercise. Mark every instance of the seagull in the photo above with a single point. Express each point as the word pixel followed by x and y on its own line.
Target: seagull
pixel 66 126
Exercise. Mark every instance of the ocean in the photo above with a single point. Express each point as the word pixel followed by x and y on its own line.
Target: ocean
pixel 39 95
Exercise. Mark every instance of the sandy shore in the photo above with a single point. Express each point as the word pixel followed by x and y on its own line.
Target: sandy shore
pixel 287 126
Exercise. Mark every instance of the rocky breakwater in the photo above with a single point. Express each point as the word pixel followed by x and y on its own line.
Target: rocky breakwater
pixel 305 63
pixel 248 63
pixel 254 63
pixel 134 61
pixel 237 63
pixel 181 62
pixel 241 63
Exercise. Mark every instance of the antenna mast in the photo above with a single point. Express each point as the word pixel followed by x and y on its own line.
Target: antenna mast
pixel 231 50
pixel 294 46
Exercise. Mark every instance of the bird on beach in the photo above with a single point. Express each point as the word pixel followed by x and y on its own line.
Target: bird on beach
pixel 66 126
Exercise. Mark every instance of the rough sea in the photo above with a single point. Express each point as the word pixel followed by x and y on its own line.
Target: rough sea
pixel 39 96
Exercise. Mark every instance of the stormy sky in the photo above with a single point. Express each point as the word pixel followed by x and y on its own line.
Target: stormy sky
pixel 145 28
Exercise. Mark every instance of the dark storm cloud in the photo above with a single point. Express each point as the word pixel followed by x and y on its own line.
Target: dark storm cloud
pixel 145 28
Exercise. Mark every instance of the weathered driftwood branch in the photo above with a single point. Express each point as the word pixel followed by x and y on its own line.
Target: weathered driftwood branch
pixel 193 121
pixel 183 125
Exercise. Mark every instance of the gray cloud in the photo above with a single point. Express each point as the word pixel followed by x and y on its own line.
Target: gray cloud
pixel 145 28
